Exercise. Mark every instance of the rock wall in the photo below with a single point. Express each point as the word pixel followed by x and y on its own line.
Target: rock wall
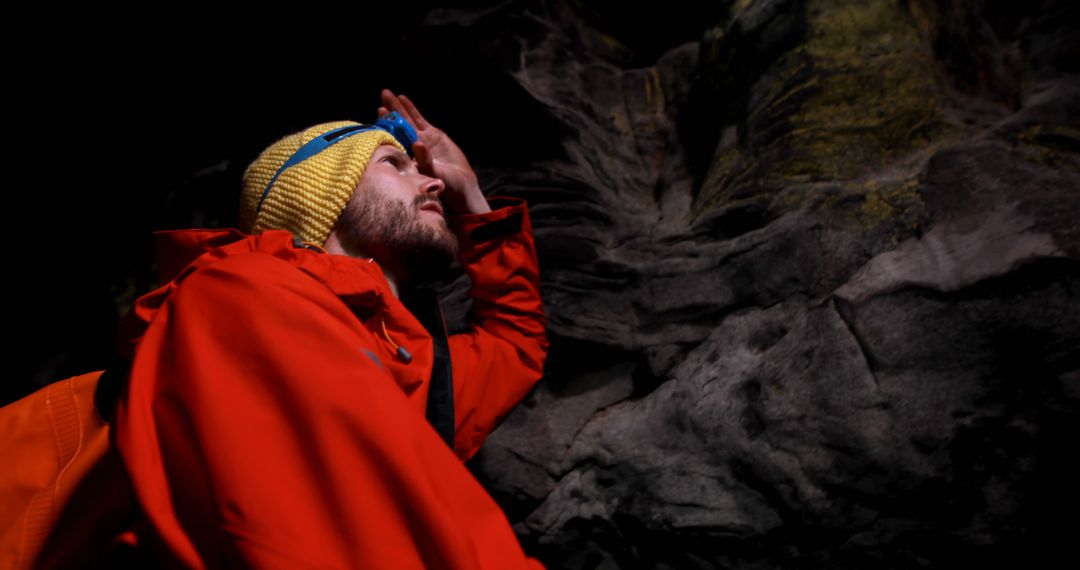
pixel 812 281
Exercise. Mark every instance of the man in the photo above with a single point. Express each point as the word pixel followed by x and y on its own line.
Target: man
pixel 293 399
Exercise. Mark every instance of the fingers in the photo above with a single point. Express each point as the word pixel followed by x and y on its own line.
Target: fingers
pixel 406 109
pixel 391 103
pixel 419 120
pixel 424 161
pixel 403 105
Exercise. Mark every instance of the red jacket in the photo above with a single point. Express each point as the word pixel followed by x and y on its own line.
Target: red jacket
pixel 270 419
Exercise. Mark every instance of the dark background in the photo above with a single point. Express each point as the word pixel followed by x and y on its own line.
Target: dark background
pixel 127 129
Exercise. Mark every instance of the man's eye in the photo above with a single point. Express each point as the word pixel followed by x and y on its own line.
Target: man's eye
pixel 398 163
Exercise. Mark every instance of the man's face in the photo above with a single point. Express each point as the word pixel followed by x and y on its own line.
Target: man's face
pixel 389 217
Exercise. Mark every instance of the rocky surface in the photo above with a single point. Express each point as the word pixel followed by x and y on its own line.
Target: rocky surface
pixel 812 280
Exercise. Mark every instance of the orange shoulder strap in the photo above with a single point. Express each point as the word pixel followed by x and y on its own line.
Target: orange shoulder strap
pixel 51 441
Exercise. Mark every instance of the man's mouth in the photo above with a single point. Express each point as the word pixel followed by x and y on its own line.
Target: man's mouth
pixel 433 206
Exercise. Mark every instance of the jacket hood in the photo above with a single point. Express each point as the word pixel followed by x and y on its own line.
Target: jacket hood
pixel 178 253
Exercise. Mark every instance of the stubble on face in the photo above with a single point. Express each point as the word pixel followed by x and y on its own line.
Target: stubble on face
pixel 394 233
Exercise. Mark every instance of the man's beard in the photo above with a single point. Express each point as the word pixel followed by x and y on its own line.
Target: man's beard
pixel 417 253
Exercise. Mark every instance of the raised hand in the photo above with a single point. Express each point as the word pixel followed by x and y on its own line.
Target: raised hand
pixel 437 155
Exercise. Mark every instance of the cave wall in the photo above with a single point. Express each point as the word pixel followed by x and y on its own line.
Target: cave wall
pixel 811 277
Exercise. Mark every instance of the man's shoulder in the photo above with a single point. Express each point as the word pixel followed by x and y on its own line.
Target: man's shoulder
pixel 247 275
pixel 272 278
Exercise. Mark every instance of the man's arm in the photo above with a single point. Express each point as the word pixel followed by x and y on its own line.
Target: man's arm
pixel 502 356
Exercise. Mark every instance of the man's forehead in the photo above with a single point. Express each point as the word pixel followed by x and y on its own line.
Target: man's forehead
pixel 387 148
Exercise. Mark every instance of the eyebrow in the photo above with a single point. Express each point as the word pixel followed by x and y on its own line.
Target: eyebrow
pixel 396 150
pixel 401 154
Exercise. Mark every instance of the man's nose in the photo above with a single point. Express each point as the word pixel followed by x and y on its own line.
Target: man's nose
pixel 434 186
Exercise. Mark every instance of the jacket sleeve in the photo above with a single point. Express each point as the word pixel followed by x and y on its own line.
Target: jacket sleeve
pixel 259 433
pixel 501 357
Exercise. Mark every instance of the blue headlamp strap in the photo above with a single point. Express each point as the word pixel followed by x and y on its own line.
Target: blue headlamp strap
pixel 392 123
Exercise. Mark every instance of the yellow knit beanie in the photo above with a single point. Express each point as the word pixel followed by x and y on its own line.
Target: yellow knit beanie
pixel 307 197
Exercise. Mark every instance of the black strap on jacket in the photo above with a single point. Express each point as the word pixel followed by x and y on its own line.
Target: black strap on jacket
pixel 109 385
pixel 423 303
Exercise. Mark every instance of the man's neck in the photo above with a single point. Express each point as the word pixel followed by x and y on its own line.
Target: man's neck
pixel 334 246
pixel 393 283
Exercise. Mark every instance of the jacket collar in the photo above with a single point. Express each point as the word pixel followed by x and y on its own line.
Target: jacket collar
pixel 360 283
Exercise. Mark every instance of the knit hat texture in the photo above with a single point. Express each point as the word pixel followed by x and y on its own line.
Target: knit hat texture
pixel 308 197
